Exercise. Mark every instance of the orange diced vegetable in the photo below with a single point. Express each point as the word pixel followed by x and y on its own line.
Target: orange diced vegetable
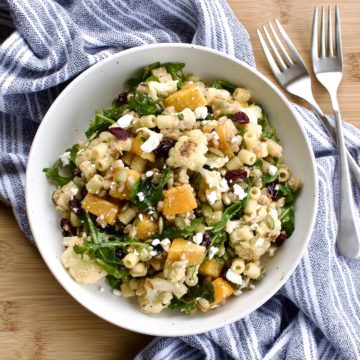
pixel 222 290
pixel 208 128
pixel 145 228
pixel 122 192
pixel 136 149
pixel 179 200
pixel 189 96
pixel 224 141
pixel 211 267
pixel 182 249
pixel 100 207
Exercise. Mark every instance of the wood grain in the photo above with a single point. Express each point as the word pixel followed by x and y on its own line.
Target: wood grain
pixel 38 319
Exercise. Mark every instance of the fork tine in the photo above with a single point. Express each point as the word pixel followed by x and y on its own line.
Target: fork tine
pixel 281 46
pixel 269 57
pixel 338 34
pixel 322 34
pixel 314 40
pixel 274 49
pixel 294 53
pixel 330 46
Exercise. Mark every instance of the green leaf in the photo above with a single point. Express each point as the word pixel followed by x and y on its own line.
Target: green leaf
pixel 54 176
pixel 183 305
pixel 171 232
pixel 115 112
pixel 175 70
pixel 144 105
pixel 152 193
pixel 223 84
pixel 99 124
pixel 287 218
pixel 113 281
pixel 267 179
pixel 135 81
pixel 110 269
pixel 268 132
pixel 180 116
pixel 287 192
pixel 152 78
pixel 148 68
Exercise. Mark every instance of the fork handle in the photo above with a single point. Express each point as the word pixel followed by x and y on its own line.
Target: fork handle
pixel 354 167
pixel 348 235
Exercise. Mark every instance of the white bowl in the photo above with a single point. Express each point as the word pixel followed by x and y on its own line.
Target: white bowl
pixel 69 117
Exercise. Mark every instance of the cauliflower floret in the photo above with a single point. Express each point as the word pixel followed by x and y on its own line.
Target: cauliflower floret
pixel 212 178
pixel 189 119
pixel 213 93
pixel 189 151
pixel 252 249
pixel 164 88
pixel 82 269
pixel 215 162
pixel 176 271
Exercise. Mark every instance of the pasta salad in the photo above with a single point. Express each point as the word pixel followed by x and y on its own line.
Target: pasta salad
pixel 178 195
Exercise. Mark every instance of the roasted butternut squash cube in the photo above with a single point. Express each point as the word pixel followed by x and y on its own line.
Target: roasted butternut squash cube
pixel 100 207
pixel 145 228
pixel 125 178
pixel 189 96
pixel 179 200
pixel 222 290
pixel 136 149
pixel 224 141
pixel 182 249
pixel 211 267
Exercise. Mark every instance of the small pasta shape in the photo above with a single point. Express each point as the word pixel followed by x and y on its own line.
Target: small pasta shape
pixel 250 208
pixel 283 174
pixel 126 290
pixel 131 260
pixel 247 157
pixel 122 145
pixel 242 95
pixel 88 169
pixel 103 164
pixel 167 121
pixel 234 163
pixel 274 148
pixel 138 270
pixel 127 215
pixel 95 184
pixel 148 121
pixel 251 139
pixel 100 150
pixel 255 193
pixel 106 136
pixel 238 265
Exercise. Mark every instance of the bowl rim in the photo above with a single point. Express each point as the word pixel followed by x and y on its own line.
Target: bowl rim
pixel 183 331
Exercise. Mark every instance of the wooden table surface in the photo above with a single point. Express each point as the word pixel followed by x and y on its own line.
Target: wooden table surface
pixel 38 319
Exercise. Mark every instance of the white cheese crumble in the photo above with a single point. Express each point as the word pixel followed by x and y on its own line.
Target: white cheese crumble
pixel 239 192
pixel 211 197
pixel 141 217
pixel 153 253
pixel 238 292
pixel 165 244
pixel 223 186
pixel 259 242
pixel 273 213
pixel 198 238
pixel 65 158
pixel 272 170
pixel 232 225
pixel 155 242
pixel 74 190
pixel 205 122
pixel 141 196
pixel 213 251
pixel 201 112
pixel 215 135
pixel 116 292
pixel 149 173
pixel 233 277
pixel 152 142
pixel 254 227
pixel 125 121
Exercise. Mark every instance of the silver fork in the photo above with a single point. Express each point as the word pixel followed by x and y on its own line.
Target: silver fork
pixel 328 70
pixel 293 76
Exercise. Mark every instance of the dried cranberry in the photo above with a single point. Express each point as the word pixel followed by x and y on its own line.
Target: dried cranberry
pixel 206 239
pixel 271 190
pixel 75 206
pixel 68 229
pixel 119 253
pixel 119 133
pixel 240 118
pixel 281 238
pixel 121 99
pixel 164 147
pixel 234 175
pixel 77 173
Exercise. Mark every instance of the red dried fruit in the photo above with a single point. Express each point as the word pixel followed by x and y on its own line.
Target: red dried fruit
pixel 233 175
pixel 164 147
pixel 271 190
pixel 75 206
pixel 119 253
pixel 240 118
pixel 68 229
pixel 119 133
pixel 121 99
pixel 281 238
pixel 206 239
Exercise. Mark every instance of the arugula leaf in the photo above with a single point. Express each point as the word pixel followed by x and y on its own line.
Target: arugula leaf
pixel 135 81
pixel 171 232
pixel 115 112
pixel 268 132
pixel 287 192
pixel 99 124
pixel 53 175
pixel 287 218
pixel 148 68
pixel 267 178
pixel 152 193
pixel 152 78
pixel 175 70
pixel 113 281
pixel 223 84
pixel 187 303
pixel 144 105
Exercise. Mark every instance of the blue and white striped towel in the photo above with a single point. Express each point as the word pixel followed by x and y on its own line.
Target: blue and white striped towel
pixel 317 313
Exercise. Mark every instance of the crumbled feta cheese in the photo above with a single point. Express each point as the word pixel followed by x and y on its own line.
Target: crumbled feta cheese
pixel 238 292
pixel 232 225
pixel 273 213
pixel 272 170
pixel 239 192
pixel 215 135
pixel 74 190
pixel 165 244
pixel 125 121
pixel 213 251
pixel 223 186
pixel 254 227
pixel 152 142
pixel 259 242
pixel 233 277
pixel 65 158
pixel 205 122
pixel 252 286
pixel 216 162
pixel 101 289
pixel 116 292
pixel 211 197
pixel 201 112
pixel 149 173
pixel 141 196
pixel 153 253
pixel 155 242
pixel 141 217
pixel 198 238
pixel 212 178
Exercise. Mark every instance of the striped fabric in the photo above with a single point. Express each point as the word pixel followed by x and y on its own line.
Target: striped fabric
pixel 316 314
